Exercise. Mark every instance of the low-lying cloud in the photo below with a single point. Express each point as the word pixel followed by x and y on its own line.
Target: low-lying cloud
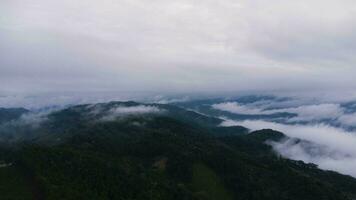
pixel 348 119
pixel 310 113
pixel 237 108
pixel 335 147
pixel 314 112
pixel 31 119
pixel 324 156
pixel 121 111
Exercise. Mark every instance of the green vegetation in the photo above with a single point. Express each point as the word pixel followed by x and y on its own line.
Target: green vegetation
pixel 178 154
pixel 13 184
pixel 207 184
pixel 8 114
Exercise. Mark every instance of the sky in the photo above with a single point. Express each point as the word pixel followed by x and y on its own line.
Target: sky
pixel 64 52
pixel 177 46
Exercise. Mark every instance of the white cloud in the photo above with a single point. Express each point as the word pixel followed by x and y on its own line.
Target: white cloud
pixel 314 112
pixel 122 111
pixel 167 100
pixel 305 113
pixel 33 119
pixel 323 156
pixel 337 148
pixel 237 108
pixel 348 119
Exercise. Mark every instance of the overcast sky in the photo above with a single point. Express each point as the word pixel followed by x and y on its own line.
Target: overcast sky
pixel 185 45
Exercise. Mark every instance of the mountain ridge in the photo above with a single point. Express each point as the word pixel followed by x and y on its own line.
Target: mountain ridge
pixel 162 155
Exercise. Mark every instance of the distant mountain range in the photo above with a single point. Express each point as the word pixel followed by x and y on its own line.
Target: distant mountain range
pixel 130 150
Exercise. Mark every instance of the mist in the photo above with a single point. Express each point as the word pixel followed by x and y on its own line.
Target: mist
pixel 133 92
pixel 122 112
pixel 329 147
pixel 59 53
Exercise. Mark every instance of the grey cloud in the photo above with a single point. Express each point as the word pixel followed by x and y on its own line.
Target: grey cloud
pixel 176 46
pixel 348 119
pixel 313 32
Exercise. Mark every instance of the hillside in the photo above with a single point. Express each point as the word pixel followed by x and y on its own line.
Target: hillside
pixel 8 114
pixel 128 150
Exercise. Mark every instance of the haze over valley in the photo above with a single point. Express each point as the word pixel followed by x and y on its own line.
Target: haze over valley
pixel 203 100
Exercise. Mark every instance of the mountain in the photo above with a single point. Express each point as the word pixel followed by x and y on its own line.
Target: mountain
pixel 206 106
pixel 129 150
pixel 8 114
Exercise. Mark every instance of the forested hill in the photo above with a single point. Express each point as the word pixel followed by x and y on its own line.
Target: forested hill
pixel 128 150
pixel 8 114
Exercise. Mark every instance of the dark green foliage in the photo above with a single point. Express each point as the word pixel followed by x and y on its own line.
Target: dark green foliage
pixel 207 184
pixel 8 114
pixel 229 131
pixel 266 134
pixel 13 184
pixel 176 155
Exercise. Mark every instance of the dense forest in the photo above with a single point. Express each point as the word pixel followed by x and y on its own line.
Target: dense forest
pixel 92 152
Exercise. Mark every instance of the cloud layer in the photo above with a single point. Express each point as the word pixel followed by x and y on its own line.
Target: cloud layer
pixel 331 148
pixel 159 45
pixel 331 113
pixel 121 111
